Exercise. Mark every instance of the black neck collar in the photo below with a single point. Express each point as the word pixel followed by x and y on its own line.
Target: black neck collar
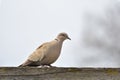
pixel 56 39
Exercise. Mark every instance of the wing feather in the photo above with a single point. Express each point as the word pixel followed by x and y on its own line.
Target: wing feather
pixel 39 53
pixel 36 56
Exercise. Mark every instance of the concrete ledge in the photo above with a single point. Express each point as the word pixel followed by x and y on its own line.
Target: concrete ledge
pixel 32 73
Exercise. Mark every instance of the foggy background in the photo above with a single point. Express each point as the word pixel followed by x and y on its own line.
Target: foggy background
pixel 93 26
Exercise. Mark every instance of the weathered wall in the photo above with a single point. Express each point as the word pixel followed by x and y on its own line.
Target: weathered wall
pixel 15 73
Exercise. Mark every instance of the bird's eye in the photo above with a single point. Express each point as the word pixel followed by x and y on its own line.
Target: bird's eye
pixel 63 35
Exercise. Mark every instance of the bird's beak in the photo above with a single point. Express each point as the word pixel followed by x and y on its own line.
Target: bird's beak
pixel 68 38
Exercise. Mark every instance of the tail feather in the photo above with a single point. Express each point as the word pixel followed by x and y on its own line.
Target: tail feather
pixel 21 65
pixel 28 63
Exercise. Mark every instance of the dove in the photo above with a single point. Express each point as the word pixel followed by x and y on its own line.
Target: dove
pixel 47 53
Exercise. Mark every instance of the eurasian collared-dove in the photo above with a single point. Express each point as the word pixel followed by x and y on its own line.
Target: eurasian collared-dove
pixel 47 53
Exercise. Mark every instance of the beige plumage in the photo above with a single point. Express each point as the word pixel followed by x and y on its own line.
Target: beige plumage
pixel 47 53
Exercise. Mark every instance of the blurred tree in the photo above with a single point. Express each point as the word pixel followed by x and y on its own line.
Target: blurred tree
pixel 102 35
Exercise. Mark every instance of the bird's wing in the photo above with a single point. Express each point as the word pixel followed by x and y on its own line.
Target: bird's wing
pixel 37 55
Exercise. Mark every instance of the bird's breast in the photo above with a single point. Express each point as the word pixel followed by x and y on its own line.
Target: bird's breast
pixel 52 54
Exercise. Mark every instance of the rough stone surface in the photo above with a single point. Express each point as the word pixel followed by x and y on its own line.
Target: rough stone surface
pixel 32 73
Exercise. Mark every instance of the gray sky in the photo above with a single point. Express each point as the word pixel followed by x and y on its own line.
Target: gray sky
pixel 25 24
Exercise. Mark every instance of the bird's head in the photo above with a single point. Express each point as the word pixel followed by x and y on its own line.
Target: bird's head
pixel 63 36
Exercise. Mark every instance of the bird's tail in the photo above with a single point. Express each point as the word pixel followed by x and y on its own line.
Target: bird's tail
pixel 26 63
pixel 21 65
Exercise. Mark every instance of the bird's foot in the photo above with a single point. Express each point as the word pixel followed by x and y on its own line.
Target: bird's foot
pixel 44 66
pixel 47 66
pixel 50 66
